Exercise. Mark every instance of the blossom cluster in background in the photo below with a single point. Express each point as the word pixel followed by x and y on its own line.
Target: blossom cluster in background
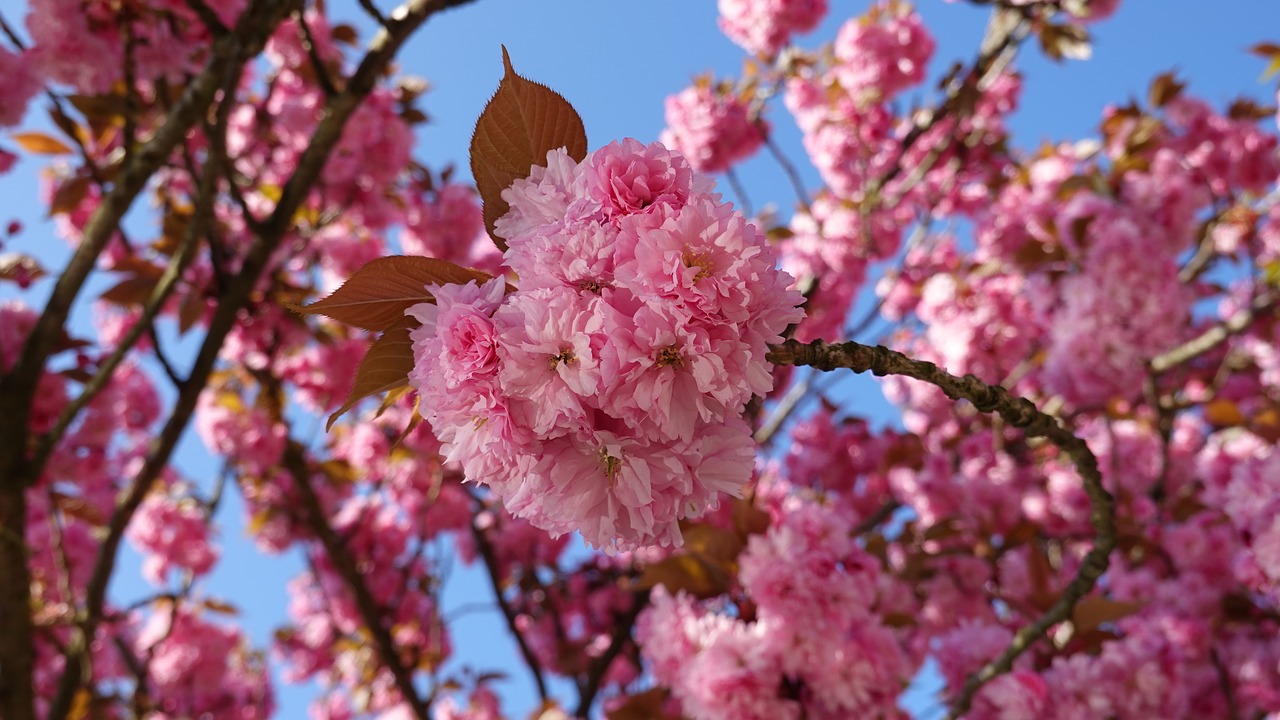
pixel 712 127
pixel 766 26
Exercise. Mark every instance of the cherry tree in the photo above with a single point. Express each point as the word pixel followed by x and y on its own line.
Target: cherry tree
pixel 597 375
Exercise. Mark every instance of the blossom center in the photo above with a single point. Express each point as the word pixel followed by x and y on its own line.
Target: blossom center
pixel 670 355
pixel 701 260
pixel 612 465
pixel 591 285
pixel 565 356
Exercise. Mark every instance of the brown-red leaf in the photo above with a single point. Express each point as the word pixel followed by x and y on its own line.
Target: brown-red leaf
pixel 376 296
pixel 699 577
pixel 41 143
pixel 1091 612
pixel 642 706
pixel 522 122
pixel 77 507
pixel 131 291
pixel 385 366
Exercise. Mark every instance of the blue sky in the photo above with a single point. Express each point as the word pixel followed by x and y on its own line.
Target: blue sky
pixel 616 62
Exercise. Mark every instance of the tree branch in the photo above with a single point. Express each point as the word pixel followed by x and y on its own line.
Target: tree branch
pixel 788 169
pixel 1214 336
pixel 739 191
pixel 786 405
pixel 207 16
pixel 621 633
pixel 371 613
pixel 1018 412
pixel 1224 681
pixel 18 387
pixel 313 53
pixel 373 11
pixel 491 566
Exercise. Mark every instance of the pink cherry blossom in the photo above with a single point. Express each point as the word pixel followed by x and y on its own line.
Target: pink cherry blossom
pixel 765 26
pixel 18 84
pixel 173 535
pixel 711 128
pixel 883 53
pixel 549 344
pixel 603 396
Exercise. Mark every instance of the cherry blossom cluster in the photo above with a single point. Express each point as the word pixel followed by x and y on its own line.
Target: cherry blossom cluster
pixel 202 669
pixel 813 643
pixel 712 127
pixel 766 26
pixel 853 132
pixel 604 395
pixel 18 84
pixel 84 45
pixel 883 53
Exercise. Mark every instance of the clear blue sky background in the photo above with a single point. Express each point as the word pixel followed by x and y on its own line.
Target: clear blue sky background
pixel 616 61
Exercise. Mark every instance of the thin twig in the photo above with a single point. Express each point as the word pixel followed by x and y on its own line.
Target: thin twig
pixel 78 644
pixel 1224 681
pixel 739 192
pixel 872 521
pixel 313 53
pixel 162 357
pixel 1214 336
pixel 786 405
pixel 491 567
pixel 600 666
pixel 797 184
pixel 372 614
pixel 374 12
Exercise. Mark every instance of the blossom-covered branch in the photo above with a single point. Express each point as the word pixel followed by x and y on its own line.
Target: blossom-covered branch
pixel 1214 336
pixel 1018 412
pixel 490 560
pixel 374 616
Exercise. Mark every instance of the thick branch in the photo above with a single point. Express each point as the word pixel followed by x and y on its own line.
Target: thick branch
pixel 1016 411
pixel 17 649
pixel 371 613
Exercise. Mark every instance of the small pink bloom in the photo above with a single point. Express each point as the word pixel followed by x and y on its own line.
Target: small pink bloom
pixel 765 26
pixel 714 130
